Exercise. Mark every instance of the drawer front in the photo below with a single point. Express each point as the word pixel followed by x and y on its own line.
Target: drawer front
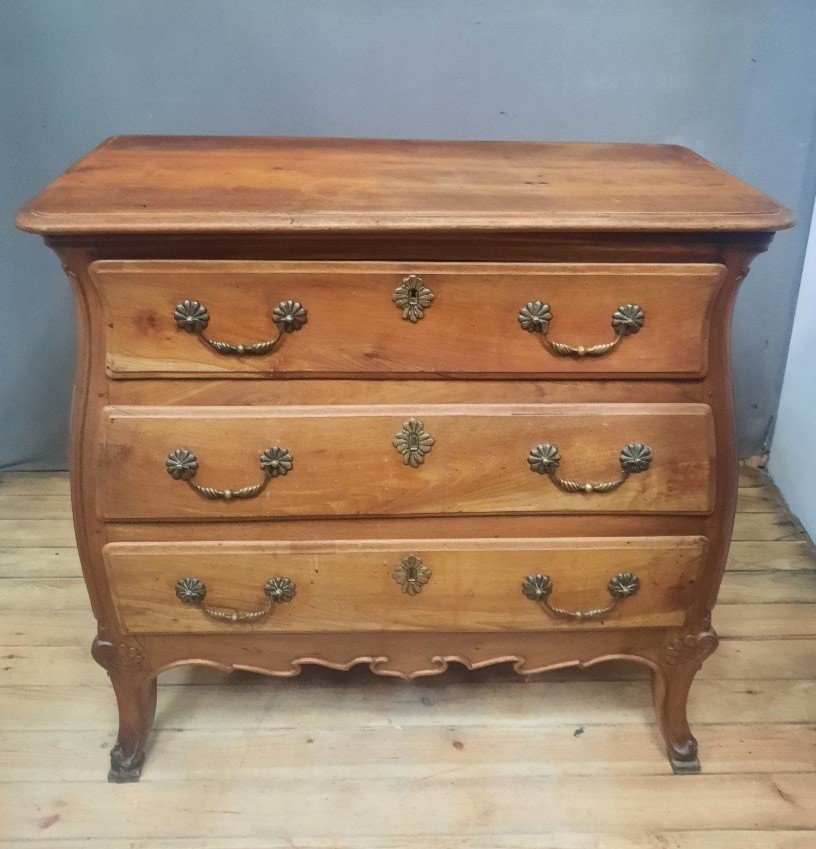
pixel 403 585
pixel 463 319
pixel 176 463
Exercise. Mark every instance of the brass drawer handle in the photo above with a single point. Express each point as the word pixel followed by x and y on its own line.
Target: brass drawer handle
pixel 635 458
pixel 277 591
pixel 412 297
pixel 192 316
pixel 538 588
pixel 412 575
pixel 536 316
pixel 182 465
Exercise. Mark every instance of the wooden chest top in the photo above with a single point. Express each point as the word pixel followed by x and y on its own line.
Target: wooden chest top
pixel 155 184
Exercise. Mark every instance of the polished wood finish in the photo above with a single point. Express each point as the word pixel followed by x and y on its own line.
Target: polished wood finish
pixel 475 584
pixel 603 205
pixel 345 463
pixel 249 185
pixel 470 329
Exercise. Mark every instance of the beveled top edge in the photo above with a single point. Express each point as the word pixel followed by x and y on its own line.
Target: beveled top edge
pixel 194 184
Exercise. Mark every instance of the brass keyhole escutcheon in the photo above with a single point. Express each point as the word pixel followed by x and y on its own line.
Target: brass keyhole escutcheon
pixel 412 298
pixel 412 575
pixel 413 442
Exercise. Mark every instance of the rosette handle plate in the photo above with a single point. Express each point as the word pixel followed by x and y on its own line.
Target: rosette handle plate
pixel 192 317
pixel 277 590
pixel 182 465
pixel 538 588
pixel 634 459
pixel 535 317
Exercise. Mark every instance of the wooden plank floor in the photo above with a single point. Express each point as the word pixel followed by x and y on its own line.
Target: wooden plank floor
pixel 481 760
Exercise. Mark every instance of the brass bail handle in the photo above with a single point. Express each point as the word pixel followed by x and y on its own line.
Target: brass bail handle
pixel 535 317
pixel 539 587
pixel 634 458
pixel 182 465
pixel 277 590
pixel 192 317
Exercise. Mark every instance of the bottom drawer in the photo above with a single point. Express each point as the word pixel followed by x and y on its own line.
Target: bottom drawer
pixel 403 585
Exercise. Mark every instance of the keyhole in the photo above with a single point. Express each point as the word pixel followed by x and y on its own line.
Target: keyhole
pixel 413 296
pixel 413 442
pixel 412 574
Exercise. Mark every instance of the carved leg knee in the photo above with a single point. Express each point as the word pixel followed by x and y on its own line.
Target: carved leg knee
pixel 671 683
pixel 135 693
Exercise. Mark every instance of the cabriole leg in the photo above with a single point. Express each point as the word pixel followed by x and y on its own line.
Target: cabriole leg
pixel 137 707
pixel 671 682
pixel 135 691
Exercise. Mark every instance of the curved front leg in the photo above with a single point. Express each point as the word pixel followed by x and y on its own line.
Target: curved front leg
pixel 671 682
pixel 135 690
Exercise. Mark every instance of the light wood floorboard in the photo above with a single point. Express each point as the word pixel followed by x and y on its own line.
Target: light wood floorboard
pixel 483 760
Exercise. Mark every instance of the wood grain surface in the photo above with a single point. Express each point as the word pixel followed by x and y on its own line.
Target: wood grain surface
pixel 345 463
pixel 407 205
pixel 149 184
pixel 474 585
pixel 354 329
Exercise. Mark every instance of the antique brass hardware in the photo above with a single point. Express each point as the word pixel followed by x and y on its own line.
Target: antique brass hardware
pixel 413 442
pixel 277 591
pixel 182 465
pixel 539 587
pixel 634 458
pixel 412 575
pixel 412 297
pixel 536 316
pixel 192 317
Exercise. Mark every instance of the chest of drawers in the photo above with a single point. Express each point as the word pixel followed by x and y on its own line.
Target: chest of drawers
pixel 403 404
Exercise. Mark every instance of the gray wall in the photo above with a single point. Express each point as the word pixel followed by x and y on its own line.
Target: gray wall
pixel 733 79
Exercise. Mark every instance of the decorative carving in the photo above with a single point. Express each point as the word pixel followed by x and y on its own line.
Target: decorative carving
pixel 412 575
pixel 634 458
pixel 412 297
pixel 693 647
pixel 535 317
pixel 193 317
pixel 183 465
pixel 118 652
pixel 539 587
pixel 413 443
pixel 410 667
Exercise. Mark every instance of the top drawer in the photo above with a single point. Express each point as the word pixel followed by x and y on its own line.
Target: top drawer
pixel 391 319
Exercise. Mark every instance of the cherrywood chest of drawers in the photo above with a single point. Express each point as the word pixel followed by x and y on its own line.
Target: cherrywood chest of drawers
pixel 402 404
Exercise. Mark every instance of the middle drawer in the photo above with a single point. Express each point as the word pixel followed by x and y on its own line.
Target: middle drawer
pixel 175 463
